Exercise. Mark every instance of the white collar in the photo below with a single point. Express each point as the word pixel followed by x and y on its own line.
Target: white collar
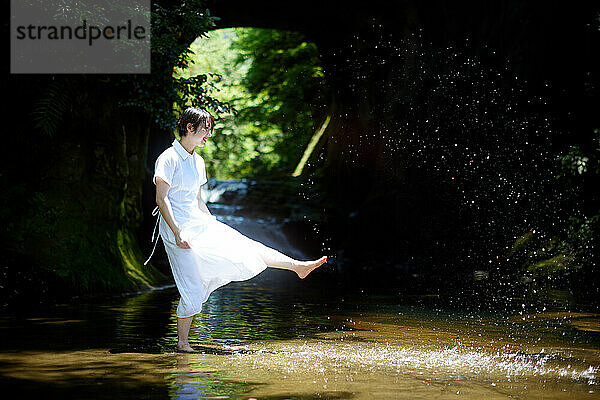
pixel 183 153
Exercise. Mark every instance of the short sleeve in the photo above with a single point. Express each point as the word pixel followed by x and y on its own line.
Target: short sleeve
pixel 164 168
pixel 201 170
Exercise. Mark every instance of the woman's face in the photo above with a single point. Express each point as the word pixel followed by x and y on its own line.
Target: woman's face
pixel 200 136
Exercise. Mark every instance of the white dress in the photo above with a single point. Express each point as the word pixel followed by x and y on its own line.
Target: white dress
pixel 219 254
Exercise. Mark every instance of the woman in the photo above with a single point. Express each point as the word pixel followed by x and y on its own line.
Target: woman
pixel 204 253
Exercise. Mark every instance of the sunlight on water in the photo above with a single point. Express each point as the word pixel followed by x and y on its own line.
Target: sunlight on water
pixel 392 352
pixel 455 361
pixel 367 364
pixel 264 342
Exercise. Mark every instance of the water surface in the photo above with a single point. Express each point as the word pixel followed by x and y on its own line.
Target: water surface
pixel 279 337
pixel 275 342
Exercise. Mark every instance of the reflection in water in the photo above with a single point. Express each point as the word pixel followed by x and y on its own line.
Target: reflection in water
pixel 192 380
pixel 269 343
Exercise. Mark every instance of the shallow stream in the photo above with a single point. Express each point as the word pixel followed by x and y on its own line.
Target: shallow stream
pixel 262 341
pixel 279 337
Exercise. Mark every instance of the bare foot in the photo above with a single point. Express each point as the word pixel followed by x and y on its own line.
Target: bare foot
pixel 185 348
pixel 308 266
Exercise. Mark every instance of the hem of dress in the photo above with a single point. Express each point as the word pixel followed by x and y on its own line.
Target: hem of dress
pixel 191 315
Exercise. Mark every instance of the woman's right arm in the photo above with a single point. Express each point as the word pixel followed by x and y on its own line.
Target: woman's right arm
pixel 164 205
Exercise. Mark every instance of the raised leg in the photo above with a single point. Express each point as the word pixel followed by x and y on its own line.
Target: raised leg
pixel 275 259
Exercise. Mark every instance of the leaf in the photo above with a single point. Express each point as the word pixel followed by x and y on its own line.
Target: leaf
pixel 51 107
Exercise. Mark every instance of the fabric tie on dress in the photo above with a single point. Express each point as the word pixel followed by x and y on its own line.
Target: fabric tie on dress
pixel 156 212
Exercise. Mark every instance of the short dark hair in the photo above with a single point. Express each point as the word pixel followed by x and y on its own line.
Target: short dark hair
pixel 194 116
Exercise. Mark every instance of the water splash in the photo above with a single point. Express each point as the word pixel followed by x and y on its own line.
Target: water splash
pixel 348 352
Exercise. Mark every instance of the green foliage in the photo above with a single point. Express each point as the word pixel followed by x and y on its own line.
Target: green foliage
pixel 583 235
pixel 543 257
pixel 554 265
pixel 582 169
pixel 172 26
pixel 576 162
pixel 68 250
pixel 287 80
pixel 274 85
pixel 576 247
pixel 521 243
pixel 51 106
pixel 76 225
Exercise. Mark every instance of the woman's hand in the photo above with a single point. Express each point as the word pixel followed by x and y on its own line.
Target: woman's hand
pixel 184 244
pixel 162 200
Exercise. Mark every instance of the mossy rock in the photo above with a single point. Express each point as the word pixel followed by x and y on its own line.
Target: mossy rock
pixel 521 243
pixel 554 265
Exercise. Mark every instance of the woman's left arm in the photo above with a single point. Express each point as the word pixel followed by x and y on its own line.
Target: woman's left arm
pixel 201 204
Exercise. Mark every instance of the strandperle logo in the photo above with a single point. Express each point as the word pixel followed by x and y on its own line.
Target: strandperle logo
pixel 83 32
pixel 70 36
